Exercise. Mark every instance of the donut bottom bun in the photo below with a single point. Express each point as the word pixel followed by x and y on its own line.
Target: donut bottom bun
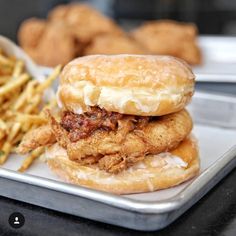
pixel 153 173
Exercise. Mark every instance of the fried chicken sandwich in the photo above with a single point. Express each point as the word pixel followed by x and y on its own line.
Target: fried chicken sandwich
pixel 123 127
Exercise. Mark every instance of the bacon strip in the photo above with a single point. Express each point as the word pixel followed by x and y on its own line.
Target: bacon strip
pixel 83 125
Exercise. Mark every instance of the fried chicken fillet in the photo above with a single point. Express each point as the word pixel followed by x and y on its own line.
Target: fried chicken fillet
pixel 129 143
pixel 114 146
pixel 38 137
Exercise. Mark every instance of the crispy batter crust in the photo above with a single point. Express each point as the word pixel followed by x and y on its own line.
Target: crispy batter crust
pixel 35 138
pixel 117 150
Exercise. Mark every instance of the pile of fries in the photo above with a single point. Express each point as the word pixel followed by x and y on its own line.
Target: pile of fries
pixel 22 106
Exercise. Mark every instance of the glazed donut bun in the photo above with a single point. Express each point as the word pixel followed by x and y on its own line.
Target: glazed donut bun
pixel 142 85
pixel 154 172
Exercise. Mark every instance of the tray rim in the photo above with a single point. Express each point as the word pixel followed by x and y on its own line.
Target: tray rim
pixel 218 37
pixel 141 206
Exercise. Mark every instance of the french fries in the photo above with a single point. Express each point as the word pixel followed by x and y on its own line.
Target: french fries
pixel 49 80
pixel 4 79
pixel 31 119
pixel 25 96
pixel 21 106
pixel 3 129
pixel 6 61
pixel 29 159
pixel 6 149
pixel 13 84
pixel 18 69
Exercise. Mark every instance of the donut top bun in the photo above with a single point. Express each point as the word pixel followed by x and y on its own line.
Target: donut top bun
pixel 131 84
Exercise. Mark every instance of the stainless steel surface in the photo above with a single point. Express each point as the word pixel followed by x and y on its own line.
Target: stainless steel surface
pixel 137 213
pixel 205 77
pixel 216 106
pixel 219 59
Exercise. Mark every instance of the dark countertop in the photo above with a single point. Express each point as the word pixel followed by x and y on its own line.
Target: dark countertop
pixel 214 214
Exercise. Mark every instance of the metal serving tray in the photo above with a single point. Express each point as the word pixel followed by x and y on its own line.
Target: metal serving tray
pixel 215 127
pixel 146 211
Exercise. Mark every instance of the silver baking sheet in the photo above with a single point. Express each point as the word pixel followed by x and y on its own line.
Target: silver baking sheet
pixel 146 211
pixel 215 128
pixel 219 59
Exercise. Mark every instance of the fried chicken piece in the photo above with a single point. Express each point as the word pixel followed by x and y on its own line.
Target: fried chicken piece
pixel 59 12
pixel 114 44
pixel 126 146
pixel 84 21
pixel 56 46
pixel 38 137
pixel 116 163
pixel 114 151
pixel 63 138
pixel 30 32
pixel 170 38
pixel 64 36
